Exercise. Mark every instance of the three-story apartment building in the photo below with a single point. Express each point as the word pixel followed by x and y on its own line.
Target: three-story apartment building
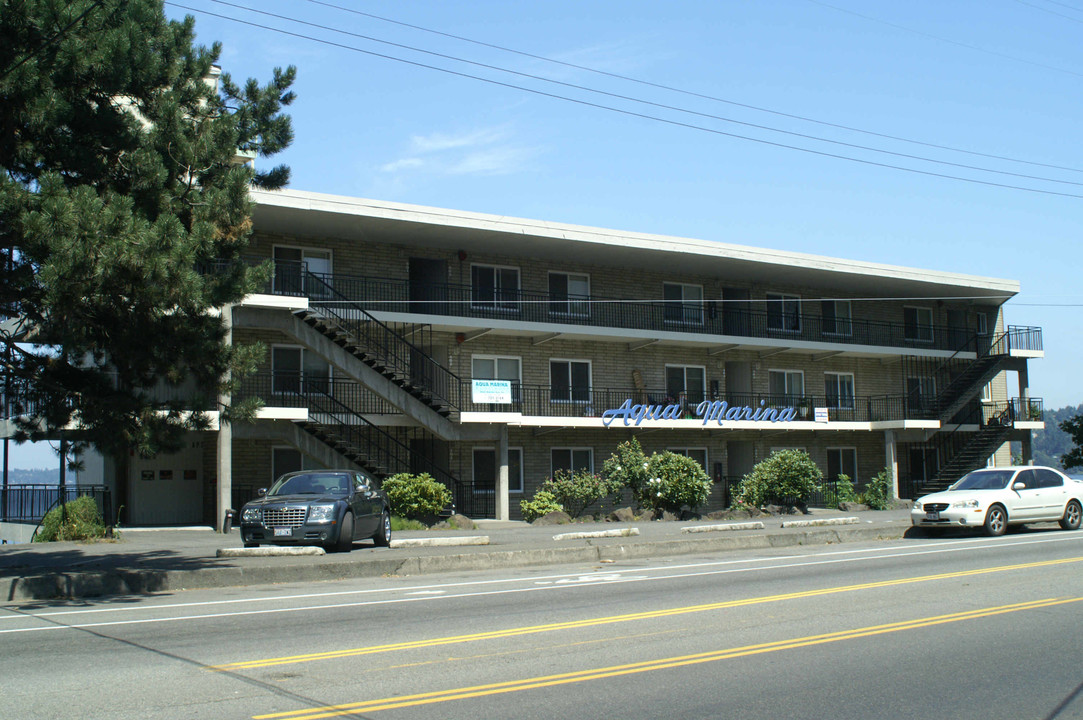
pixel 493 351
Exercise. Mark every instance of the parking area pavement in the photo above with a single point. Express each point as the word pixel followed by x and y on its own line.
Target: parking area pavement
pixel 152 560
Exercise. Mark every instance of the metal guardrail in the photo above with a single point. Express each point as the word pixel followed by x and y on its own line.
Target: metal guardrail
pixel 713 317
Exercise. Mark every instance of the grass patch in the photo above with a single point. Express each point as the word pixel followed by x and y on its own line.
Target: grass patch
pixel 400 523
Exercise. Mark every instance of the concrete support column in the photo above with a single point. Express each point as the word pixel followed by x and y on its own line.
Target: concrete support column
pixel 502 512
pixel 891 461
pixel 225 441
pixel 1026 446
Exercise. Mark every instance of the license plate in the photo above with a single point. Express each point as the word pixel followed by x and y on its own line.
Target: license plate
pixel 932 516
pixel 283 532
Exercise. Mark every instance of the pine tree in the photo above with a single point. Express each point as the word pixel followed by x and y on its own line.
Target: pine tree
pixel 124 217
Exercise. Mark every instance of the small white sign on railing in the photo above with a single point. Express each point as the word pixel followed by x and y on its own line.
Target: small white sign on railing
pixel 822 415
pixel 496 392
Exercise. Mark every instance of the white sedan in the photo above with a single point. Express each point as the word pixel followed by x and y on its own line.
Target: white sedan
pixel 994 498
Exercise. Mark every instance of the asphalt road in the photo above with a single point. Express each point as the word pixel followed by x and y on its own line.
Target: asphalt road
pixel 959 627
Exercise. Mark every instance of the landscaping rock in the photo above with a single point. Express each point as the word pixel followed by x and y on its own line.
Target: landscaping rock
pixel 745 513
pixel 646 515
pixel 557 517
pixel 461 522
pixel 669 517
pixel 624 514
pixel 852 506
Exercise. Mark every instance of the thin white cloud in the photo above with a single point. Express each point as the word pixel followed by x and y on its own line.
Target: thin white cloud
pixel 438 142
pixel 409 163
pixel 498 161
pixel 483 151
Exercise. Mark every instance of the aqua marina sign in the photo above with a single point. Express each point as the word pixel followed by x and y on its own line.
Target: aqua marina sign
pixel 710 410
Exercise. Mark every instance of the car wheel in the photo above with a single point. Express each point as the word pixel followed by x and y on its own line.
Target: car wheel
pixel 996 521
pixel 1073 514
pixel 345 534
pixel 383 535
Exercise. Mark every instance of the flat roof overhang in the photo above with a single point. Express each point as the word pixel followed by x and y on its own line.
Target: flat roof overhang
pixel 318 215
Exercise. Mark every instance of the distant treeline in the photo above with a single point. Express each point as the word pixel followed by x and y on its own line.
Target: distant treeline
pixel 1051 443
pixel 37 476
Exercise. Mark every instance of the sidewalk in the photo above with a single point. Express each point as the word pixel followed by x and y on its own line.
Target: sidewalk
pixel 154 560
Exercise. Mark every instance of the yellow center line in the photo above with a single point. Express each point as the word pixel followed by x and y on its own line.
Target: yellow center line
pixel 511 686
pixel 594 622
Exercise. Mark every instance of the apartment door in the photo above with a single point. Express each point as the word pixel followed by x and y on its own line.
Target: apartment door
pixel 736 319
pixel 427 454
pixel 957 329
pixel 428 285
pixel 924 464
pixel 739 383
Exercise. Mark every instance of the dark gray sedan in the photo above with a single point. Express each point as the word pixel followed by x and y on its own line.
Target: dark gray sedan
pixel 332 508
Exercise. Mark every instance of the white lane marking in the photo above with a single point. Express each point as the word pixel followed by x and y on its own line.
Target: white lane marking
pixel 614 578
pixel 428 592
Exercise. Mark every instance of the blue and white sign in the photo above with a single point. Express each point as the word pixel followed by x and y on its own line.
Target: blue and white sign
pixel 711 411
pixel 822 415
pixel 494 392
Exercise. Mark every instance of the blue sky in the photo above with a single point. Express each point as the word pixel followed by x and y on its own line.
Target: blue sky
pixel 999 78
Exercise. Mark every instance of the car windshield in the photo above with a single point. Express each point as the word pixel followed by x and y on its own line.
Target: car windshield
pixel 984 480
pixel 311 484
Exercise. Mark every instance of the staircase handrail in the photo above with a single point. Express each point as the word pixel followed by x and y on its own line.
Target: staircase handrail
pixel 401 356
pixel 442 475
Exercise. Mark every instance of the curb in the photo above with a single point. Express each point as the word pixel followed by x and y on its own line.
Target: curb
pixel 126 582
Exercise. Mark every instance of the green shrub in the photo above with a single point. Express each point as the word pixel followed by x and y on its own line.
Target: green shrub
pixel 416 496
pixel 543 503
pixel 627 467
pixel 842 490
pixel 878 493
pixel 82 521
pixel 674 481
pixel 785 477
pixel 577 491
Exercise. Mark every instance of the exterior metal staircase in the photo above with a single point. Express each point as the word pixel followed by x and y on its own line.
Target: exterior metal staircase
pixel 968 451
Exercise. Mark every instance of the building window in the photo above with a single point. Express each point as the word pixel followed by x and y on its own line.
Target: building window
pixel 842 461
pixel 786 387
pixel 683 303
pixel 297 370
pixel 494 367
pixel 569 380
pixel 987 392
pixel 494 287
pixel 918 324
pixel 572 459
pixel 569 294
pixel 837 318
pixel 982 322
pixel 783 312
pixel 697 454
pixel 839 388
pixel 302 271
pixel 686 383
pixel 485 466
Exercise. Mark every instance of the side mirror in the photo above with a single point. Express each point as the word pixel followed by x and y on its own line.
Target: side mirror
pixel 261 492
pixel 1019 485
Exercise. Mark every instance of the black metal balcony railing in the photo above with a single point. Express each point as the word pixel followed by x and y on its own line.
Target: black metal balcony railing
pixel 298 390
pixel 710 317
pixel 30 502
